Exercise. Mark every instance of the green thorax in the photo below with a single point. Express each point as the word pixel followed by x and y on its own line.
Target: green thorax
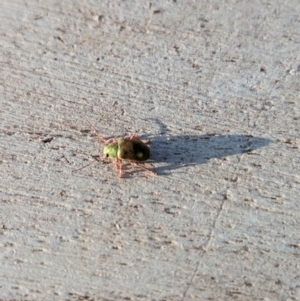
pixel 111 150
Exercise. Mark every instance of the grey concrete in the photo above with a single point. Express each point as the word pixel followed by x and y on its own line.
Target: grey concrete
pixel 215 85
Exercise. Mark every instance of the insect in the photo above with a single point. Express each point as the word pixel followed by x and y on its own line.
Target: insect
pixel 130 148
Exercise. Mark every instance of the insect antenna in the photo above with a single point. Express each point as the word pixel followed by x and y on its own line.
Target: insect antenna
pixel 95 160
pixel 100 138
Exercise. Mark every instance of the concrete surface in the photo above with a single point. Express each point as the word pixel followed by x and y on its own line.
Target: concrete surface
pixel 215 85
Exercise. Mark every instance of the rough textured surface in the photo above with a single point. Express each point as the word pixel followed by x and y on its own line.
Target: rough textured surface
pixel 215 85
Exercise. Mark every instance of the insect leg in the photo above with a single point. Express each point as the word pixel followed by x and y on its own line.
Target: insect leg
pixel 137 137
pixel 134 137
pixel 120 171
pixel 143 167
pixel 118 166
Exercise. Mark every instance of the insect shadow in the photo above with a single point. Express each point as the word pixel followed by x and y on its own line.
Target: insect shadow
pixel 187 150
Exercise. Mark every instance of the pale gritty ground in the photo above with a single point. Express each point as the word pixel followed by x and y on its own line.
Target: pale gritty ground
pixel 215 85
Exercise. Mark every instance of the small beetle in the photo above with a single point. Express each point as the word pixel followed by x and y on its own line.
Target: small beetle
pixel 131 149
